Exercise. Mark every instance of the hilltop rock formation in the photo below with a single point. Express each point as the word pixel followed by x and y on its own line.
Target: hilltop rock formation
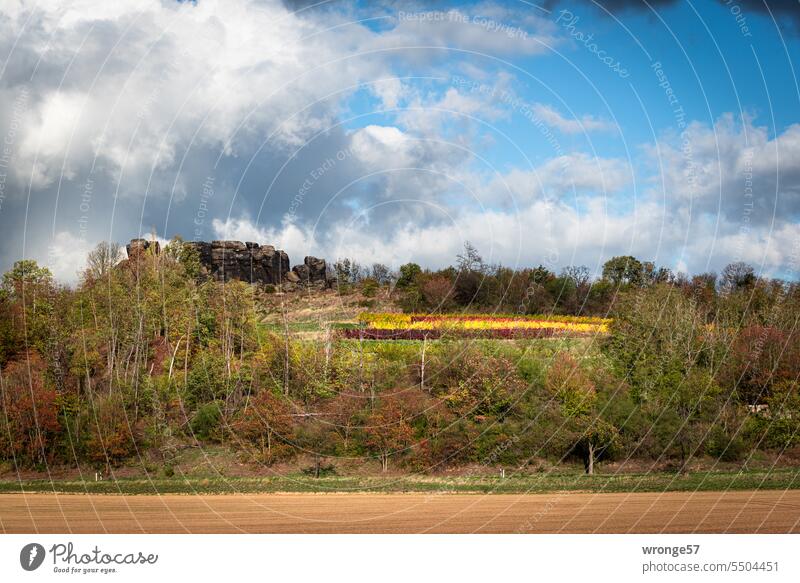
pixel 314 272
pixel 137 246
pixel 252 263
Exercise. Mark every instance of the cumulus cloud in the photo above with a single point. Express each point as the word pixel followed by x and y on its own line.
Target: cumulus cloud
pixel 66 256
pixel 732 168
pixel 295 240
pixel 584 124
pixel 133 86
pixel 487 29
pixel 245 120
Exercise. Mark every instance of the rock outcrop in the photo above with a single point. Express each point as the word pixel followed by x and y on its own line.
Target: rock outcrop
pixel 137 246
pixel 251 262
pixel 313 272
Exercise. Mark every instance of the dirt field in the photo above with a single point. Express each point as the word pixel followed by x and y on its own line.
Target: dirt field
pixel 675 512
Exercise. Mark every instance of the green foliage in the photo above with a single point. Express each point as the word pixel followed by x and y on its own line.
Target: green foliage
pixel 142 354
pixel 624 270
pixel 206 421
pixel 369 287
pixel 207 378
pixel 724 446
pixel 408 275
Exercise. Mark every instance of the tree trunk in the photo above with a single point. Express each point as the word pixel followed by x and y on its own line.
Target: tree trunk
pixel 590 460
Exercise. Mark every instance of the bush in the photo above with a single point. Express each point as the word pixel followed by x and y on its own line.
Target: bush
pixel 206 421
pixel 369 287
pixel 111 432
pixel 723 447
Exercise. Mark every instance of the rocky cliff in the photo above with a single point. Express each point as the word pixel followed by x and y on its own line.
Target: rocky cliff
pixel 251 262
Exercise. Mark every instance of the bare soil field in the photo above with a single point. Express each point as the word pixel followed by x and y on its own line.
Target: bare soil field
pixel 669 512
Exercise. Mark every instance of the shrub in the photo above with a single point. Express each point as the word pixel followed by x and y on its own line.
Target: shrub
pixel 205 422
pixel 723 446
pixel 369 287
pixel 111 432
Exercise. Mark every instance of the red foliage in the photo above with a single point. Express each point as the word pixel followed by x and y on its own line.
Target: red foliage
pixel 760 357
pixel 266 423
pixel 111 433
pixel 29 424
pixel 388 430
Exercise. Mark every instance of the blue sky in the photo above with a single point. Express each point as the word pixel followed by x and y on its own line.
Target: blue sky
pixel 560 133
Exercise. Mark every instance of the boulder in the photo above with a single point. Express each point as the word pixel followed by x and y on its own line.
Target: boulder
pixel 139 246
pixel 314 272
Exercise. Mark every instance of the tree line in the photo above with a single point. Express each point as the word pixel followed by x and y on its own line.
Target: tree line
pixel 142 358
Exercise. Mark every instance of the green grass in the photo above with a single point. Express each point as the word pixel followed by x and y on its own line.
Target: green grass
pixel 278 327
pixel 651 482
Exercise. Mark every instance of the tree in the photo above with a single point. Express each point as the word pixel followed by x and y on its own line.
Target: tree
pixel 577 396
pixel 381 273
pixel 344 413
pixel 737 276
pixel 470 259
pixel 624 270
pixel 26 272
pixel 348 271
pixel 436 291
pixel 473 383
pixel 659 343
pixel 579 275
pixel 102 259
pixel 656 336
pixel 266 423
pixel 408 275
pixel 760 357
pixel 388 430
pixel 29 420
pixel 112 433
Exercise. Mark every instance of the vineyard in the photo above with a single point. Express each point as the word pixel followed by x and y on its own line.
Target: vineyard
pixel 395 326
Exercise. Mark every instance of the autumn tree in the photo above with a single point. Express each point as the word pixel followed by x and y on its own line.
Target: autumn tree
pixel 112 431
pixel 388 430
pixel 266 423
pixel 577 396
pixel 29 420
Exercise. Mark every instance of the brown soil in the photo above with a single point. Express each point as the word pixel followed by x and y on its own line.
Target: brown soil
pixel 672 512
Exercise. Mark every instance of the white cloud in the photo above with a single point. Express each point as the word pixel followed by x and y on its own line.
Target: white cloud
pixel 732 168
pixel 382 146
pixel 296 241
pixel 485 29
pixel 66 256
pixel 137 83
pixel 581 125
pixel 576 173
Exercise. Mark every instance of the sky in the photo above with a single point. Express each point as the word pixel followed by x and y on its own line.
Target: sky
pixel 559 133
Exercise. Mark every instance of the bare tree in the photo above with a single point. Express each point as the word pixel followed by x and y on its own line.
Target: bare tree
pixel 102 259
pixel 381 273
